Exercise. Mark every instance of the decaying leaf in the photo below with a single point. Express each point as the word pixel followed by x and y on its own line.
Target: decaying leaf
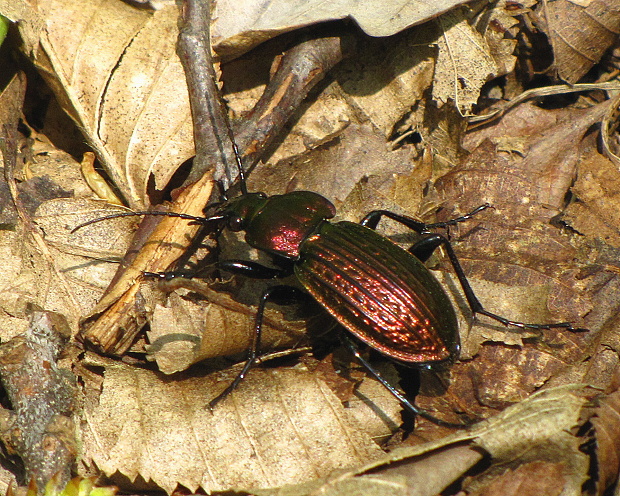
pixel 580 33
pixel 115 72
pixel 519 265
pixel 465 61
pixel 534 478
pixel 596 212
pixel 282 426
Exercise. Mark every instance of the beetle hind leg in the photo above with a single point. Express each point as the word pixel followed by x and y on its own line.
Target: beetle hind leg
pixel 404 401
pixel 426 246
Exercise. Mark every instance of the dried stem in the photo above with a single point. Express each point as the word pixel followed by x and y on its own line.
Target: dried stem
pixel 299 70
pixel 40 428
pixel 214 147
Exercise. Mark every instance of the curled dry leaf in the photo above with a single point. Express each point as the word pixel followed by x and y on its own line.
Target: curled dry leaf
pixel 580 32
pixel 468 57
pixel 541 427
pixel 114 69
pixel 239 26
pixel 281 426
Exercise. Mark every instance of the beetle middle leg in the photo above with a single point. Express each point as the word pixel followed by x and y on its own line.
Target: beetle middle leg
pixel 283 295
pixel 424 248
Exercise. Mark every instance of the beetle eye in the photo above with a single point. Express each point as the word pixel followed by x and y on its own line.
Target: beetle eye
pixel 235 223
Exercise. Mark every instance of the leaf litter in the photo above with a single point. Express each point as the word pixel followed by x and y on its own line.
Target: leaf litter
pixel 125 88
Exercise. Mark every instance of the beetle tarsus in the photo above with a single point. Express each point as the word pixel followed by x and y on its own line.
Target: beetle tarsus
pixel 462 218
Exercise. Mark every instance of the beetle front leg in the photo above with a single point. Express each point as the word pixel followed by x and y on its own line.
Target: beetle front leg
pixel 253 269
pixel 284 295
pixel 245 268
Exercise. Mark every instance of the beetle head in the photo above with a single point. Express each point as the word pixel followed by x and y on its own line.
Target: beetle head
pixel 238 212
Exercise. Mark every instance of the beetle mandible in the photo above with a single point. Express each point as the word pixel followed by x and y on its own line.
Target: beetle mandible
pixel 381 294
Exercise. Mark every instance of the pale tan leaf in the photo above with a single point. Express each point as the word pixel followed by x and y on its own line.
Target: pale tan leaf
pixel 386 87
pixel 87 258
pixel 29 19
pixel 185 331
pixel 466 61
pixel 115 71
pixel 240 25
pixel 281 426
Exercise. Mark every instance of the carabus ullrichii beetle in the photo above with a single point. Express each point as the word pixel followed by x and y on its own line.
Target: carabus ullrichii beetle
pixel 380 293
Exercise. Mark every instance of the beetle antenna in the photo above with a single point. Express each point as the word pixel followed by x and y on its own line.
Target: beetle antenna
pixel 193 218
pixel 231 137
pixel 244 188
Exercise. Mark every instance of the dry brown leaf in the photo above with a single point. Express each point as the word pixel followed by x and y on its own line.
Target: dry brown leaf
pixel 360 151
pixel 239 26
pixel 530 479
pixel 33 275
pixel 281 426
pixel 386 87
pixel 88 259
pixel 580 33
pixel 29 19
pixel 114 69
pixel 541 427
pixel 597 213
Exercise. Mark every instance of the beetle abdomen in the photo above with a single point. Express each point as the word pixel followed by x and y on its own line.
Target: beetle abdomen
pixel 381 293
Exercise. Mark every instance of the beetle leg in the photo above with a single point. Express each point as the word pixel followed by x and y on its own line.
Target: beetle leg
pixel 372 219
pixel 245 268
pixel 284 295
pixel 408 405
pixel 476 307
pixel 253 269
pixel 424 248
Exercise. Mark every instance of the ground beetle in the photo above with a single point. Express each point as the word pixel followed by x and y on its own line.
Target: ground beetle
pixel 382 294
